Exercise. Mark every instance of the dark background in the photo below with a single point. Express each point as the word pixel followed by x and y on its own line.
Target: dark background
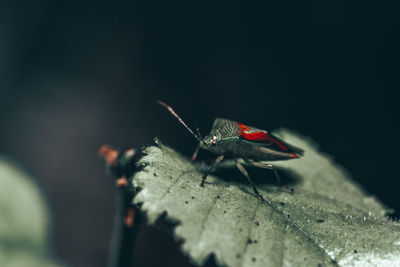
pixel 77 75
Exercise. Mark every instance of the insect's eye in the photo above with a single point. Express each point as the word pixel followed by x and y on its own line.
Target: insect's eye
pixel 214 140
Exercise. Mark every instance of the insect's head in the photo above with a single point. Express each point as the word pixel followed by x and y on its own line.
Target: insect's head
pixel 209 142
pixel 205 143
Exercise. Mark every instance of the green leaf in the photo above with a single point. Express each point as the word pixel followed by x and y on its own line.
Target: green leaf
pixel 24 221
pixel 328 220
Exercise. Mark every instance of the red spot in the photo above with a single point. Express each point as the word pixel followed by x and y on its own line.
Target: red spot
pixel 109 154
pixel 257 135
pixel 130 217
pixel 130 153
pixel 294 156
pixel 122 182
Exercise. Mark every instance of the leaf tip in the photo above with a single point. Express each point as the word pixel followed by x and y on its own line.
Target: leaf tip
pixel 157 141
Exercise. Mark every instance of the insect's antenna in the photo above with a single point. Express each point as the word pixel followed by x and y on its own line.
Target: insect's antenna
pixel 180 120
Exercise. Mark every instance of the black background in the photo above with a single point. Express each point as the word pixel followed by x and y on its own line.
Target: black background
pixel 77 75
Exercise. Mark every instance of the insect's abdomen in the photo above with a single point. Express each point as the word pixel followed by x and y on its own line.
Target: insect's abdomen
pixel 241 149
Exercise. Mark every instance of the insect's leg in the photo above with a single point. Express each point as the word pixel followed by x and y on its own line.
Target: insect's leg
pixel 246 174
pixel 283 187
pixel 194 156
pixel 217 161
pixel 271 167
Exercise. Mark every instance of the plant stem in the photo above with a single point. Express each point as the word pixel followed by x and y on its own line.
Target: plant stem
pixel 127 221
pixel 124 236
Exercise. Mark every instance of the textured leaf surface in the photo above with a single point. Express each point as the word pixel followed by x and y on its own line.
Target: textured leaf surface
pixel 328 220
pixel 24 221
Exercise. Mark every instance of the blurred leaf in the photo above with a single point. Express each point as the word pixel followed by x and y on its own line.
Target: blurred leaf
pixel 24 221
pixel 327 221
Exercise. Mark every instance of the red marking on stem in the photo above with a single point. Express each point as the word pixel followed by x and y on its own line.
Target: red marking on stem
pixel 122 182
pixel 130 217
pixel 130 153
pixel 109 154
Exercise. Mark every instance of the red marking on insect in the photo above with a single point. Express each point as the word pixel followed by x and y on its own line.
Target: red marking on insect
pixel 257 135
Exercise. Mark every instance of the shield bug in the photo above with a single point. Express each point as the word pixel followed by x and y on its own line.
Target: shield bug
pixel 236 140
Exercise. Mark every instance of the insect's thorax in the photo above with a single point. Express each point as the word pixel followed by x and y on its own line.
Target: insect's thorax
pixel 222 129
pixel 224 139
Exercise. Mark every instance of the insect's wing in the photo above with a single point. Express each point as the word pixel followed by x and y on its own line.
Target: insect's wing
pixel 290 147
pixel 263 138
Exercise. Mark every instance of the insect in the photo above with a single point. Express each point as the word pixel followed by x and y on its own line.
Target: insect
pixel 234 139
